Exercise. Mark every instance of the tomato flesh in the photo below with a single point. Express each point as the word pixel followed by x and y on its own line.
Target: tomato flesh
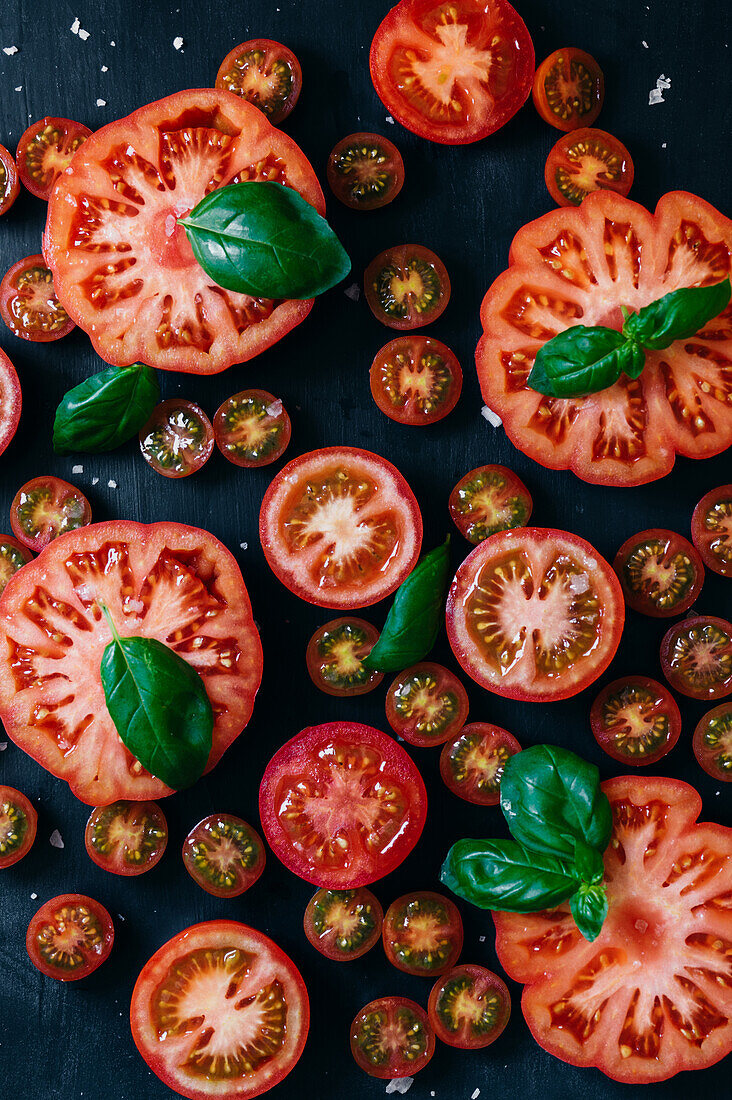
pixel 660 572
pixel 365 171
pixel 569 89
pixel 11 401
pixel 712 742
pixel 711 529
pixel 423 933
pixel 635 720
pixel 392 1037
pixel 9 182
pixel 407 287
pixel 18 823
pixel 264 73
pixel 45 508
pixel 426 704
pixel 45 151
pixel 696 657
pixel 252 428
pixel 472 764
pixel 335 654
pixel 469 1007
pixel 224 855
pixel 487 500
pixel 28 302
pixel 69 937
pixel 13 556
pixel 584 161
pixel 178 438
pixel 343 924
pixel 126 838
pixel 416 380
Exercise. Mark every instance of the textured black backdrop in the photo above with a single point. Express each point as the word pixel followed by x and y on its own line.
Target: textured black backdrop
pixel 60 1042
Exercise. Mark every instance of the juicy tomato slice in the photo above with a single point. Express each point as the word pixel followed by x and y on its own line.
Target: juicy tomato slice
pixel 342 805
pixel 584 161
pixel 452 73
pixel 469 1007
pixel 407 286
pixel 9 182
pixel 178 438
pixel 28 302
pixel 487 500
pixel 264 73
pixel 423 933
pixel 167 581
pixel 252 428
pixel 416 380
pixel 335 654
pixel 11 401
pixel 650 996
pixel 569 89
pixel 535 614
pixel 18 822
pixel 635 720
pixel 426 704
pixel 711 529
pixel 45 151
pixel 392 1037
pixel 343 924
pixel 13 556
pixel 45 508
pixel 660 572
pixel 69 937
pixel 365 171
pixel 340 527
pixel 472 764
pixel 696 657
pixel 712 742
pixel 224 855
pixel 126 838
pixel 220 1011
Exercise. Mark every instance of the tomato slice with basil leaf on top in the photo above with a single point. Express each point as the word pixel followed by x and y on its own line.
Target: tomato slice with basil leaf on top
pixel 342 805
pixel 452 73
pixel 264 73
pixel 220 1011
pixel 406 286
pixel 660 572
pixel 569 89
pixel 426 704
pixel 18 823
pixel 365 171
pixel 335 655
pixel 9 182
pixel 252 428
pixel 69 937
pixel 416 380
pixel 343 924
pixel 11 401
pixel 469 1007
pixel 423 933
pixel 391 1038
pixel 45 508
pixel 28 302
pixel 126 838
pixel 489 499
pixel 45 151
pixel 178 438
pixel 711 529
pixel 340 527
pixel 696 657
pixel 584 161
pixel 224 855
pixel 471 765
pixel 635 720
pixel 712 742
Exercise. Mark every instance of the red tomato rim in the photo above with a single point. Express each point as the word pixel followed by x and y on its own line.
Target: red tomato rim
pixel 677 544
pixel 395 165
pixel 45 915
pixel 399 255
pixel 700 534
pixel 389 932
pixel 8 293
pixel 408 414
pixel 115 863
pixel 666 704
pixel 446 681
pixel 492 982
pixel 677 681
pixel 11 178
pixel 247 877
pixel 704 756
pixel 58 486
pixel 11 401
pixel 498 737
pixel 538 91
pixel 269 45
pixel 558 158
pixel 70 130
pixel 26 807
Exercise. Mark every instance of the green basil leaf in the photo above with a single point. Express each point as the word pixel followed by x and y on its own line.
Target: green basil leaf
pixel 265 240
pixel 503 875
pixel 415 617
pixel 159 706
pixel 589 909
pixel 677 315
pixel 583 360
pixel 588 862
pixel 106 410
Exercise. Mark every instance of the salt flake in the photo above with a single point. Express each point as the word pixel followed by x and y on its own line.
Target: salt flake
pixel 83 35
pixel 481 939
pixel 178 43
pixel 10 50
pixel 101 103
pixel 4 745
pixel 77 469
pixel 663 83
pixel 55 839
pixel 113 43
pixel 644 44
pixel 491 417
pixel 475 1094
pixel 95 481
pixel 390 120
pixel 33 897
pixel 74 28
pixel 19 88
pixel 400 1085
pixel 105 69
pixel 244 545
pixel 112 484
pixel 353 292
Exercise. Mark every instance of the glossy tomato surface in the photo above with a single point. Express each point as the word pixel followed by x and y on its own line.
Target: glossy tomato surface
pixel 423 933
pixel 365 171
pixel 711 529
pixel 126 838
pixel 28 302
pixel 584 161
pixel 69 937
pixel 635 720
pixel 13 556
pixel 264 73
pixel 45 151
pixel 178 438
pixel 696 657
pixel 11 401
pixel 9 182
pixel 660 572
pixel 335 656
pixel 252 428
pixel 391 1038
pixel 224 855
pixel 45 508
pixel 426 704
pixel 712 742
pixel 407 286
pixel 569 89
pixel 472 763
pixel 343 924
pixel 18 823
pixel 416 380
pixel 487 500
pixel 469 1007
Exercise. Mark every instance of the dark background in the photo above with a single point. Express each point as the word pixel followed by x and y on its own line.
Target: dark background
pixel 67 1041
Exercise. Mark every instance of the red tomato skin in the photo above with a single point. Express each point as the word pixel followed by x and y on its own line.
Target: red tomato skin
pixel 676 544
pixel 410 413
pixel 700 535
pixel 45 913
pixel 558 157
pixel 69 129
pixel 281 52
pixel 8 294
pixel 676 679
pixel 704 754
pixel 604 736
pixel 11 401
pixel 60 488
pixel 24 804
pixel 493 983
pixel 538 92
pixel 12 181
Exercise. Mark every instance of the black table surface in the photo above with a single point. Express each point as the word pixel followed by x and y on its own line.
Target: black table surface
pixel 58 1041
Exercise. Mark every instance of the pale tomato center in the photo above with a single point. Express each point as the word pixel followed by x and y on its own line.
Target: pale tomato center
pixel 168 241
pixel 452 61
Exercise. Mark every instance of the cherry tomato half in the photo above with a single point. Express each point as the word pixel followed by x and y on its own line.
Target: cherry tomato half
pixel 335 654
pixel 472 764
pixel 423 933
pixel 28 302
pixel 69 937
pixel 18 822
pixel 584 161
pixel 252 428
pixel 407 286
pixel 711 529
pixel 392 1037
pixel 224 855
pixel 426 704
pixel 489 499
pixel 569 89
pixel 416 380
pixel 469 1007
pixel 365 171
pixel 45 508
pixel 264 73
pixel 13 556
pixel 343 924
pixel 635 720
pixel 712 742
pixel 11 401
pixel 178 438
pixel 126 838
pixel 696 657
pixel 660 572
pixel 9 182
pixel 45 151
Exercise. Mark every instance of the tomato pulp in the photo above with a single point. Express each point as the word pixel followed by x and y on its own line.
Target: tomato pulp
pixel 29 305
pixel 126 838
pixel 69 937
pixel 224 855
pixel 635 720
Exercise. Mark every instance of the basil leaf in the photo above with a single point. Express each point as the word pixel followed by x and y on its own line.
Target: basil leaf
pixel 677 315
pixel 414 619
pixel 159 706
pixel 265 240
pixel 588 862
pixel 503 875
pixel 106 410
pixel 583 360
pixel 589 909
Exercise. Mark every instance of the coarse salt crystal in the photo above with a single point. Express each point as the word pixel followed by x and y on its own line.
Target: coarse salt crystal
pixel 644 44
pixel 55 839
pixel 33 897
pixel 275 409
pixel 578 583
pixel 95 481
pixel 105 69
pixel 4 745
pixel 353 292
pixel 84 592
pixel 120 916
pixel 10 50
pixel 400 1085
pixel 134 605
pixel 663 144
pixel 491 417
pixel 74 28
pixel 663 83
pixel 244 545
pixel 481 939
pixel 19 88
pixel 113 43
pixel 77 469
pixel 101 103
pixel 170 222
pixel 112 484
pixel 390 120
pixel 475 1094
pixel 178 43
pixel 83 35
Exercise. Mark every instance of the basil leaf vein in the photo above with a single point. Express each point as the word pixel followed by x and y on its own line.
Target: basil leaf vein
pixel 678 315
pixel 105 410
pixel 503 875
pixel 589 908
pixel 582 360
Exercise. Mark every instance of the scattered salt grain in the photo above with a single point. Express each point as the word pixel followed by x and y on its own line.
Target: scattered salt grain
pixel 101 103
pixel 353 292
pixel 400 1085
pixel 663 144
pixel 134 605
pixel 644 44
pixel 481 939
pixel 390 120
pixel 178 43
pixel 74 28
pixel 77 469
pixel 33 897
pixel 19 88
pixel 275 409
pixel 655 95
pixel 578 583
pixel 95 481
pixel 105 69
pixel 4 745
pixel 113 43
pixel 120 916
pixel 244 545
pixel 55 839
pixel 112 484
pixel 475 1094
pixel 10 50
pixel 83 35
pixel 491 417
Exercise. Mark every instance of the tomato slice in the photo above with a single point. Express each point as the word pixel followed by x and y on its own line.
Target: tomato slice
pixel 416 380
pixel 126 838
pixel 392 1037
pixel 426 704
pixel 635 720
pixel 569 89
pixel 335 654
pixel 711 529
pixel 487 500
pixel 11 401
pixel 224 855
pixel 264 73
pixel 340 527
pixel 584 161
pixel 18 823
pixel 452 73
pixel 365 171
pixel 660 572
pixel 45 151
pixel 166 581
pixel 696 657
pixel 252 428
pixel 342 805
pixel 13 556
pixel 178 438
pixel 220 1011
pixel 534 614
pixel 9 182
pixel 712 742
pixel 423 933
pixel 472 764
pixel 469 1007
pixel 45 508
pixel 407 286
pixel 343 924
pixel 28 302
pixel 69 937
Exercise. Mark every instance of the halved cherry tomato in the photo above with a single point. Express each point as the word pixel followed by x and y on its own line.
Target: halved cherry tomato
pixel 711 529
pixel 178 438
pixel 13 556
pixel 660 572
pixel 469 1007
pixel 45 508
pixel 712 742
pixel 28 302
pixel 18 823
pixel 224 855
pixel 392 1037
pixel 342 805
pixel 407 286
pixel 365 171
pixel 11 401
pixel 335 654
pixel 126 838
pixel 416 380
pixel 489 499
pixel 423 933
pixel 472 764
pixel 45 151
pixel 69 937
pixel 426 704
pixel 343 924
pixel 696 657
pixel 584 161
pixel 9 182
pixel 252 428
pixel 569 89
pixel 635 720
pixel 264 73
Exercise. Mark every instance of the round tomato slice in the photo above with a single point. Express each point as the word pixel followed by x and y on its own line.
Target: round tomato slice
pixel 635 720
pixel 365 171
pixel 472 764
pixel 711 529
pixel 45 151
pixel 696 657
pixel 660 572
pixel 28 302
pixel 487 500
pixel 651 995
pixel 220 1011
pixel 469 1007
pixel 407 286
pixel 166 581
pixel 712 742
pixel 252 428
pixel 9 183
pixel 452 73
pixel 569 89
pixel 13 556
pixel 340 527
pixel 535 614
pixel 416 380
pixel 584 161
pixel 264 73
pixel 342 805
pixel 426 704
pixel 335 654
pixel 178 438
pixel 18 822
pixel 581 265
pixel 69 937
pixel 423 933
pixel 126 838
pixel 45 508
pixel 224 855
pixel 392 1037
pixel 123 267
pixel 343 924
